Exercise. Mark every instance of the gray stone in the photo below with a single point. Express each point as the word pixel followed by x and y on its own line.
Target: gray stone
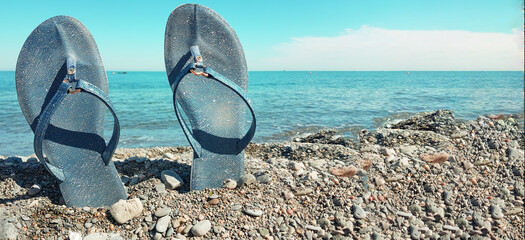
pixel 359 212
pixel 168 156
pixel 124 210
pixel 451 228
pixel 162 212
pixel 171 179
pixel 253 212
pixel 288 195
pixel 229 183
pixel 247 179
pixel 496 212
pixel 264 232
pixel 102 236
pixel 75 236
pixel 407 149
pixel 414 209
pixel 157 236
pixel 160 187
pixel 34 190
pixel 324 223
pixel 265 178
pixel 377 236
pixel 88 225
pixel 514 154
pixel 313 228
pixel 8 231
pixel 187 229
pixel 462 223
pixel 162 224
pixel 170 232
pixel 404 214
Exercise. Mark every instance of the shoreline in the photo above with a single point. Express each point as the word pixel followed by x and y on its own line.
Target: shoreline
pixel 427 176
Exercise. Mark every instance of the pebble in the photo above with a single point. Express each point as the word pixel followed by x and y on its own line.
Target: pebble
pixel 395 178
pixel 168 156
pixel 229 183
pixel 296 166
pixel 103 236
pixel 75 236
pixel 514 211
pixel 201 228
pixel 404 214
pixel 34 190
pixel 8 230
pixel 162 212
pixel 377 236
pixel 246 179
pixel 264 232
pixel 171 179
pixel 160 188
pixel 313 228
pixel 124 210
pixel 162 224
pixel 514 154
pixel 253 212
pixel 265 178
pixel 451 228
pixel 359 212
pixel 304 191
pixel 288 195
pixel 496 212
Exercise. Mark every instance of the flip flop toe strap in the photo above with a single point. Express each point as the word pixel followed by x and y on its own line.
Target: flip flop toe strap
pixel 210 74
pixel 44 120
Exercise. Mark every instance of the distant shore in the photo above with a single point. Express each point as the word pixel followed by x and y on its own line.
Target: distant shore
pixel 427 176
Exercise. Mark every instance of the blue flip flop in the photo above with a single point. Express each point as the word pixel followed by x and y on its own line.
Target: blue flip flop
pixel 207 72
pixel 62 89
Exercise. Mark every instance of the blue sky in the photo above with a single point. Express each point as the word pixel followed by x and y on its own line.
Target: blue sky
pixel 298 34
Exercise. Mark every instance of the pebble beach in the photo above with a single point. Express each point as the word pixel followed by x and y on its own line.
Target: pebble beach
pixel 429 176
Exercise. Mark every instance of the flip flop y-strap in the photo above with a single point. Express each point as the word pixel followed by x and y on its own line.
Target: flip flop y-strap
pixel 71 85
pixel 211 74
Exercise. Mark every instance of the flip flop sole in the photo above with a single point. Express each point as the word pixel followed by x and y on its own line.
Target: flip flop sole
pixel 74 140
pixel 216 114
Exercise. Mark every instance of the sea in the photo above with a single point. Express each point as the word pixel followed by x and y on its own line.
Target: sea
pixel 288 104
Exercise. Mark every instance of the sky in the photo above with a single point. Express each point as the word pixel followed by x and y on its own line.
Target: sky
pixel 337 35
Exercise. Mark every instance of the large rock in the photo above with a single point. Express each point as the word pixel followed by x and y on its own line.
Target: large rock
pixel 124 210
pixel 8 231
pixel 171 179
pixel 201 228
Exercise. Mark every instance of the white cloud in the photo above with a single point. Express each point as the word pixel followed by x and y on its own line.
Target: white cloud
pixel 372 48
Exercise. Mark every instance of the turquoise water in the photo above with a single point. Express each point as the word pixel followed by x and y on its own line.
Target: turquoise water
pixel 288 104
